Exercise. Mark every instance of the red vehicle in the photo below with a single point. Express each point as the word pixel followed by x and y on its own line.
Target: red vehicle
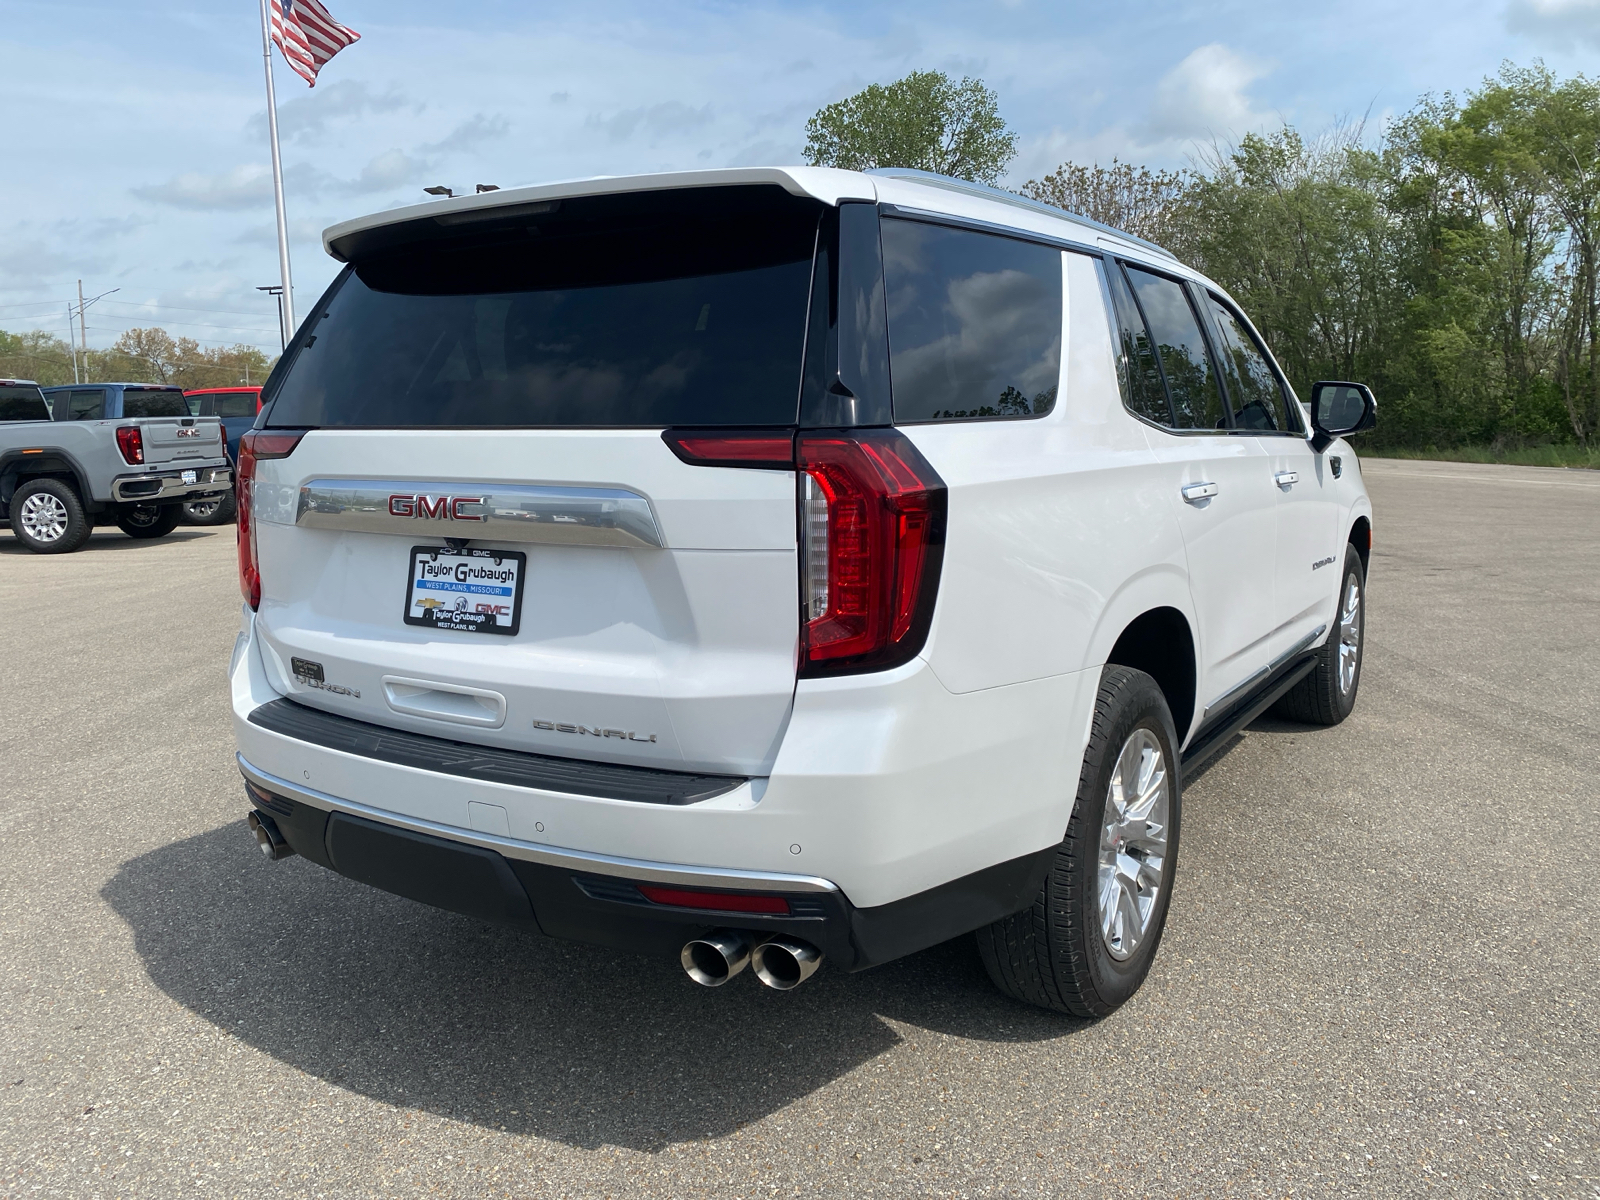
pixel 237 407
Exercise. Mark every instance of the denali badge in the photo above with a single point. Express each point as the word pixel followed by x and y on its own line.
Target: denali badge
pixel 438 508
pixel 625 735
pixel 1317 566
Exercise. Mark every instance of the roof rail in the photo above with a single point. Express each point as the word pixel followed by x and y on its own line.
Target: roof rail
pixel 933 179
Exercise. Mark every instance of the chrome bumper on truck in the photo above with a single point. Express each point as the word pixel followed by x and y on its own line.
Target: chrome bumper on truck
pixel 186 484
pixel 583 896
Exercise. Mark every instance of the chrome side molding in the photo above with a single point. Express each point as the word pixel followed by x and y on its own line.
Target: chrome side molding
pixel 502 512
pixel 1261 673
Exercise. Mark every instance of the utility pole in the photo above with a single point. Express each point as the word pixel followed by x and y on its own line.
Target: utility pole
pixel 83 331
pixel 72 340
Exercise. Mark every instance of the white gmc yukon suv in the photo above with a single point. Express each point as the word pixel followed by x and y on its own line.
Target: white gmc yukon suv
pixel 764 566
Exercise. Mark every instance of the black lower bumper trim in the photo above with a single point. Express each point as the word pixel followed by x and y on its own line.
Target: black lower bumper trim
pixel 574 776
pixel 611 911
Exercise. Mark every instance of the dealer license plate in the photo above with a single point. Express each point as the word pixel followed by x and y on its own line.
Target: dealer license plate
pixel 467 591
pixel 191 476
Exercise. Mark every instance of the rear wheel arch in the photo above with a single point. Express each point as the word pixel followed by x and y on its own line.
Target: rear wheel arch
pixel 16 469
pixel 1160 642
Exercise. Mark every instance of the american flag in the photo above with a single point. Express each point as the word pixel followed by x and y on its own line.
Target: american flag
pixel 308 36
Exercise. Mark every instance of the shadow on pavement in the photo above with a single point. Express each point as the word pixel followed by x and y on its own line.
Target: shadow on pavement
pixel 425 1009
pixel 115 539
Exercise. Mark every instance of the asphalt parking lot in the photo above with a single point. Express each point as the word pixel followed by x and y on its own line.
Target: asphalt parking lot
pixel 1379 977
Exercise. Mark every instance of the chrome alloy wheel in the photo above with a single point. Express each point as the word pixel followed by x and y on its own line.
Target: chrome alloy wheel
pixel 1133 843
pixel 1349 636
pixel 44 517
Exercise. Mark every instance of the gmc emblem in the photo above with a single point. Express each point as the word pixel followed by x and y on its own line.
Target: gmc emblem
pixel 188 433
pixel 436 508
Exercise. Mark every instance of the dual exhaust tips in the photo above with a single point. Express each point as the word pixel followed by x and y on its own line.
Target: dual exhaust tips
pixel 781 963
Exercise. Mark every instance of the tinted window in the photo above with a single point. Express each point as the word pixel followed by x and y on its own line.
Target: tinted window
pixel 154 404
pixel 1254 393
pixel 196 404
pixel 1144 393
pixel 23 404
pixel 234 404
pixel 974 323
pixel 685 319
pixel 1181 350
pixel 80 404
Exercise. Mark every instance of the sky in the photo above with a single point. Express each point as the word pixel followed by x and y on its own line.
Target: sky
pixel 136 150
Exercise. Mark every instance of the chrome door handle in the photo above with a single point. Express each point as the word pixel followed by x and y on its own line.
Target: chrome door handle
pixel 1196 492
pixel 1286 479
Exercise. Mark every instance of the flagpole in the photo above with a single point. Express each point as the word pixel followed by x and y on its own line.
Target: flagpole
pixel 286 300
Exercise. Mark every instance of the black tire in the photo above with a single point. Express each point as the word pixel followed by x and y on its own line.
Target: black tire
pixel 58 509
pixel 213 510
pixel 145 521
pixel 1328 695
pixel 1054 954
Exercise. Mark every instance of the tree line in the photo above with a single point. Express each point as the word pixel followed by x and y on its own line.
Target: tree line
pixel 1449 260
pixel 138 356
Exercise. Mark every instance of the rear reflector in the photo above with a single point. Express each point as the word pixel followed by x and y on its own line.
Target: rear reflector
pixel 254 446
pixel 131 443
pixel 722 448
pixel 716 901
pixel 872 513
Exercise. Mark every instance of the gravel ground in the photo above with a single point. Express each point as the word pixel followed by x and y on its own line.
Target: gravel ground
pixel 1379 976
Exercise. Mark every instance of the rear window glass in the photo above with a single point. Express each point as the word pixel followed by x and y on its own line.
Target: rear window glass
pixel 154 404
pixel 974 323
pixel 23 404
pixel 637 319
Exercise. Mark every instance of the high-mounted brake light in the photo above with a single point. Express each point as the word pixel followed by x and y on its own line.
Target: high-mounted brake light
pixel 255 446
pixel 131 443
pixel 872 525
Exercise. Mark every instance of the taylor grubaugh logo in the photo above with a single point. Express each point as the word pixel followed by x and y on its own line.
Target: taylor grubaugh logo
pixel 438 508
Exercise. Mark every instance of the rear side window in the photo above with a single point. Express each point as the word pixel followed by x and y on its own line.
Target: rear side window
pixel 23 404
pixel 154 404
pixel 577 317
pixel 1141 377
pixel 1180 350
pixel 230 404
pixel 974 323
pixel 1254 393
pixel 81 404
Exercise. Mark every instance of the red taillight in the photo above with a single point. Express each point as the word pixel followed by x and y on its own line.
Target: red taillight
pixel 254 446
pixel 724 449
pixel 717 901
pixel 872 525
pixel 131 444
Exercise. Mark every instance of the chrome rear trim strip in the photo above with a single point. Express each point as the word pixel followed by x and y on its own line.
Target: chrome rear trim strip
pixel 553 856
pixel 500 512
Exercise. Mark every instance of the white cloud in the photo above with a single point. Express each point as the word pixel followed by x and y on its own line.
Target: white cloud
pixel 1204 96
pixel 1557 23
pixel 243 187
pixel 654 121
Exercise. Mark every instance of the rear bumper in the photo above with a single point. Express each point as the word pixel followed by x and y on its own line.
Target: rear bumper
pixel 595 898
pixel 159 487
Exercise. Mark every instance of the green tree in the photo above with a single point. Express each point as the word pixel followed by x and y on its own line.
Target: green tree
pixel 925 121
pixel 1145 203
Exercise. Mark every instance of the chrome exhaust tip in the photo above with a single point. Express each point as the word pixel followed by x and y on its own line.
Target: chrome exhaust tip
pixel 716 958
pixel 270 841
pixel 784 963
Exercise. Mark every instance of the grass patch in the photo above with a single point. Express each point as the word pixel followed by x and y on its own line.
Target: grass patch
pixel 1520 456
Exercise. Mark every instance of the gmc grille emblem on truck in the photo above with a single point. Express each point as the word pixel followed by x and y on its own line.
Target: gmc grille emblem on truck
pixel 438 508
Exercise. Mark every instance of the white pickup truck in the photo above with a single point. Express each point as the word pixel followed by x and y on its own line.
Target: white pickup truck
pixel 126 453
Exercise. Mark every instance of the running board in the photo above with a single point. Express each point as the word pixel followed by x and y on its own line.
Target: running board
pixel 1212 738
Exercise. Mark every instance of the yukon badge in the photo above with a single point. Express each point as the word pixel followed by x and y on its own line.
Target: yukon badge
pixel 438 508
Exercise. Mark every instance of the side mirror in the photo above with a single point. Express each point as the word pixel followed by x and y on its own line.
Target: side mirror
pixel 1339 410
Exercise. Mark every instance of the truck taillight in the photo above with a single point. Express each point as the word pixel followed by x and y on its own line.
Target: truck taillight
pixel 872 517
pixel 131 443
pixel 253 447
